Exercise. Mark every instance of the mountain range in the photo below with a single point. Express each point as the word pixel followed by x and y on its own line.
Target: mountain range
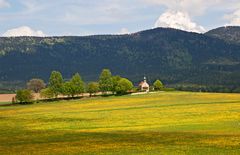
pixel 183 60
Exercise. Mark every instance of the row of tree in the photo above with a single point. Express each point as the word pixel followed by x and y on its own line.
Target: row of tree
pixel 75 86
pixel 107 83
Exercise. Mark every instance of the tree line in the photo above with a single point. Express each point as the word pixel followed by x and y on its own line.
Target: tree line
pixel 75 87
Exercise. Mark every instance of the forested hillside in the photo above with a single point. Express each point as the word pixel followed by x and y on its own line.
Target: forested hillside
pixel 230 34
pixel 176 57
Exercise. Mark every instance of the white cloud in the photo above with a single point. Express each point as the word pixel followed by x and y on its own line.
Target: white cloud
pixel 231 9
pixel 124 31
pixel 234 18
pixel 178 20
pixel 193 7
pixel 4 3
pixel 23 31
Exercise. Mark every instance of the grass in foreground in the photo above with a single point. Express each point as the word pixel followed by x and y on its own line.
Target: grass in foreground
pixel 5 103
pixel 162 123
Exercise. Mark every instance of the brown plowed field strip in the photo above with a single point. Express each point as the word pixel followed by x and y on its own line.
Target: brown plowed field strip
pixel 6 97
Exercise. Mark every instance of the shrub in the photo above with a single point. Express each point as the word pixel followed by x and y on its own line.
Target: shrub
pixel 24 96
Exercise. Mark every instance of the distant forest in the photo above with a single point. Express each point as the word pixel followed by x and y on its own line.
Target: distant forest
pixel 183 60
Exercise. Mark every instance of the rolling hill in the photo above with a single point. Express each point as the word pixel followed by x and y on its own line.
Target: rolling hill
pixel 177 57
pixel 230 34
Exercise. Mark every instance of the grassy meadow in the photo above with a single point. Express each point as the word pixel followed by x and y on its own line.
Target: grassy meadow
pixel 5 103
pixel 161 123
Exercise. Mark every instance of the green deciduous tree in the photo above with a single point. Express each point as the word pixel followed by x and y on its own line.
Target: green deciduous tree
pixel 115 80
pixel 78 84
pixel 67 89
pixel 56 83
pixel 24 96
pixel 123 86
pixel 74 87
pixel 36 85
pixel 105 81
pixel 46 93
pixel 158 85
pixel 92 88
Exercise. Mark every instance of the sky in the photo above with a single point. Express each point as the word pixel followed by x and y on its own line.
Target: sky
pixel 91 17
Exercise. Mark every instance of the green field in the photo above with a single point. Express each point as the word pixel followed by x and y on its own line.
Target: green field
pixel 5 103
pixel 161 123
